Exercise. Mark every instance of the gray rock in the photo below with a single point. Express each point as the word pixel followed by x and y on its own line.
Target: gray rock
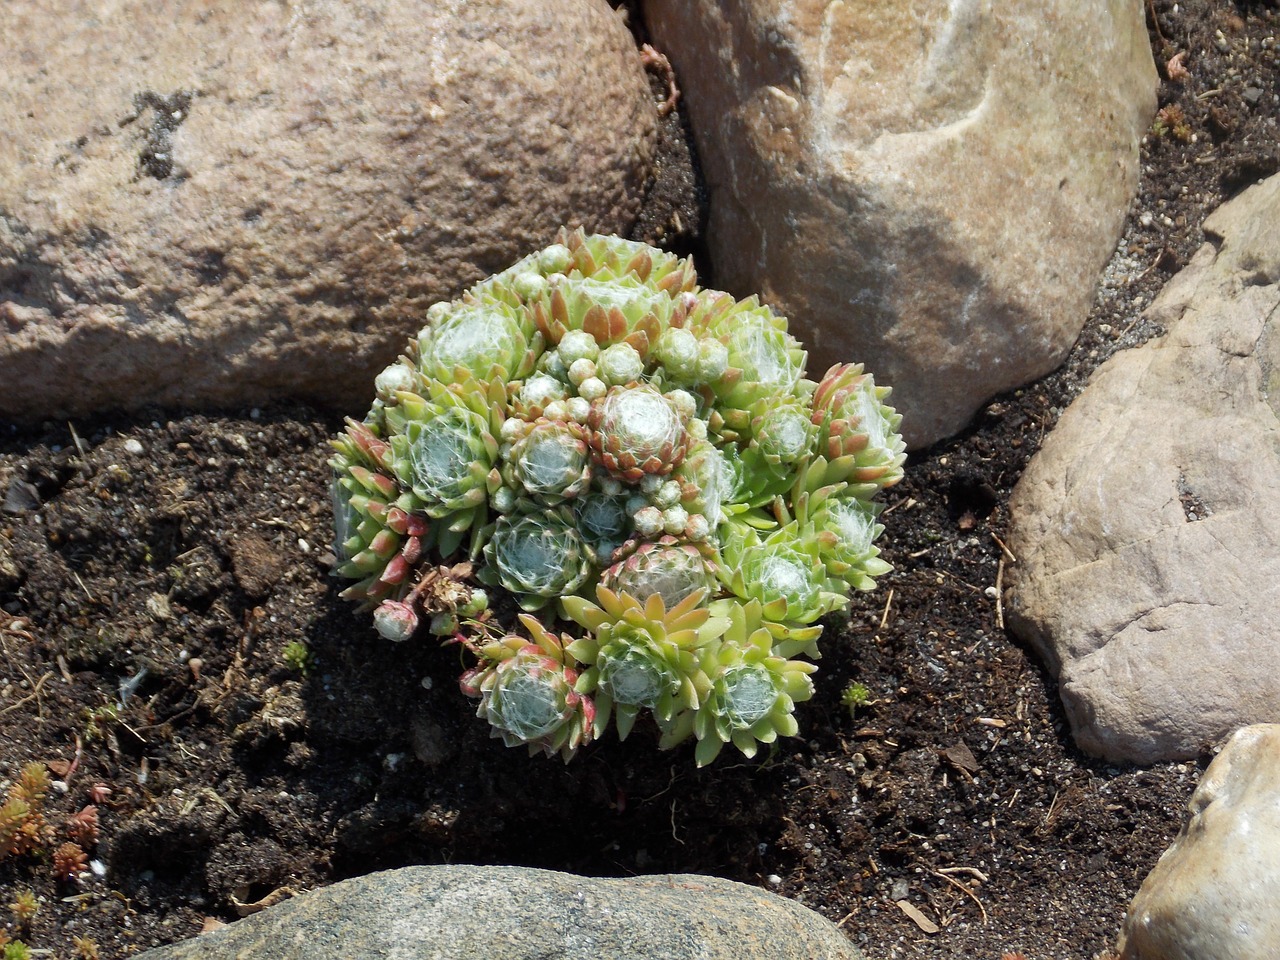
pixel 1146 528
pixel 930 188
pixel 515 913
pixel 1215 894
pixel 217 204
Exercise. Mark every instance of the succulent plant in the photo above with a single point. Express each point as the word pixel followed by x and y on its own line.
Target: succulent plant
pixel 538 557
pixel 642 655
pixel 444 451
pixel 752 694
pixel 527 693
pixel 636 431
pixel 668 568
pixel 640 462
pixel 853 420
pixel 380 526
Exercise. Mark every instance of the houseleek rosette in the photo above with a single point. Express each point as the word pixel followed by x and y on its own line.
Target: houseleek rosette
pixel 636 459
pixel 752 694
pixel 853 420
pixel 642 656
pixel 527 692
pixel 537 557
pixel 379 525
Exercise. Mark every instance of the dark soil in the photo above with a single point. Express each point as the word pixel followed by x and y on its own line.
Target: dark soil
pixel 170 632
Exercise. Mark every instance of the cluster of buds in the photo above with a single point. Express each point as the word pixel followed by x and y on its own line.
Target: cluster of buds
pixel 633 458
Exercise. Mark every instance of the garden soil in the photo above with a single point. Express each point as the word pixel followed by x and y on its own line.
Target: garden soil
pixel 174 650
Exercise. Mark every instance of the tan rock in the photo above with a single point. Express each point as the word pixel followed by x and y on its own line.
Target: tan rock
pixel 216 204
pixel 930 187
pixel 1146 529
pixel 517 913
pixel 1215 894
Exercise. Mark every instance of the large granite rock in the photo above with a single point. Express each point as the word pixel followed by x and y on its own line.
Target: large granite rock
pixel 217 203
pixel 1146 529
pixel 1215 894
pixel 929 187
pixel 516 913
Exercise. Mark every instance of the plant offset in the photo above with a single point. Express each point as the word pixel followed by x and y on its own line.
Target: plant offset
pixel 643 467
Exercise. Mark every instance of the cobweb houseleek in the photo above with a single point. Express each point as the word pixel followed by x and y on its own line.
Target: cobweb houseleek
pixel 636 458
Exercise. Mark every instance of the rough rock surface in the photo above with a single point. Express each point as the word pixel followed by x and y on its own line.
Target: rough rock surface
pixel 1146 529
pixel 929 188
pixel 214 204
pixel 515 913
pixel 1215 894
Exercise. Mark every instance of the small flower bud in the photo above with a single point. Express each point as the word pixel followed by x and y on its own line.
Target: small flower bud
pixel 649 522
pixel 668 495
pixel 394 378
pixel 713 360
pixel 477 605
pixel 443 624
pixel 579 409
pixel 395 620
pixel 580 370
pixel 619 364
pixel 684 403
pixel 650 483
pixel 697 529
pixel 592 388
pixel 674 520
pixel 529 286
pixel 555 259
pixel 578 345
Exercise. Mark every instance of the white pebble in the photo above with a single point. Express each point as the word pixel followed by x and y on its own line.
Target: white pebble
pixel 134 446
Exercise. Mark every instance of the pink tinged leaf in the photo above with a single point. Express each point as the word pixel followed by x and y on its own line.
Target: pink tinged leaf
pixel 641 265
pixel 585 262
pixel 396 570
pixel 869 474
pixel 596 322
pixel 559 313
pixel 397 519
pixel 384 485
pixel 376 589
pixel 639 340
pixel 368 444
pixel 395 620
pixel 384 543
pixel 469 682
